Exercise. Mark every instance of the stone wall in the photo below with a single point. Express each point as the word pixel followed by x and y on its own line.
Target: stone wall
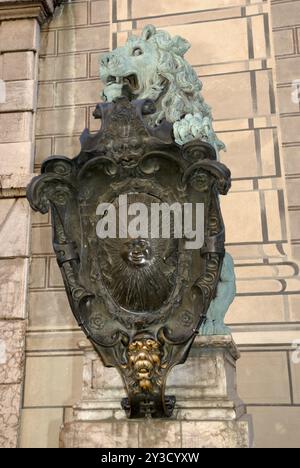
pixel 246 53
pixel 19 47
pixel 286 27
pixel 69 88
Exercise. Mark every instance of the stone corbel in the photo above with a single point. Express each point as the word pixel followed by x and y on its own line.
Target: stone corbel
pixel 23 9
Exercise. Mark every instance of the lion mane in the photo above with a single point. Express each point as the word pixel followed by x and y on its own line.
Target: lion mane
pixel 157 61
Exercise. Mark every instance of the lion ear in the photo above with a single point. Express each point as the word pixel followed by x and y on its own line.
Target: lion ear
pixel 148 32
pixel 180 45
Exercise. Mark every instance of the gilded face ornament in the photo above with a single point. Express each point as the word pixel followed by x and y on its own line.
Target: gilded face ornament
pixel 145 360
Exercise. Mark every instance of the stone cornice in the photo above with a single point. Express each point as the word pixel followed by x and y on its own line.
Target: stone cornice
pixel 22 9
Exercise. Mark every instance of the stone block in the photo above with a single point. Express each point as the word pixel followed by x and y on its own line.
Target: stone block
pixel 267 146
pixel 219 41
pixel 15 127
pixel 216 434
pixel 290 129
pixel 275 220
pixel 229 95
pixel 38 273
pixel 95 64
pixel 19 35
pixel 156 434
pixel 40 427
pixel 50 310
pixel 251 286
pixel 1 67
pixel 84 39
pixel 19 66
pixel 159 434
pixel 48 43
pixel 295 370
pixel 284 42
pixel 263 378
pixel 14 222
pixel 14 185
pixel 67 146
pixel 60 121
pixel 296 251
pixel 45 95
pixel 294 306
pixel 20 96
pixel 288 69
pixel 286 103
pixel 13 288
pixel 55 276
pixel 12 345
pixel 77 93
pixel 276 427
pixel 63 67
pixel 240 147
pixel 39 219
pixel 294 217
pixel 52 380
pixel 205 376
pixel 16 158
pixel 262 94
pixel 43 149
pixel 53 341
pixel 257 24
pixel 143 8
pixel 286 14
pixel 291 160
pixel 10 401
pixel 100 11
pixel 293 191
pixel 41 240
pixel 242 225
pixel 114 434
pixel 71 14
pixel 256 309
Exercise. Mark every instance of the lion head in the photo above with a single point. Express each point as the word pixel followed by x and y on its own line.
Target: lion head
pixel 153 67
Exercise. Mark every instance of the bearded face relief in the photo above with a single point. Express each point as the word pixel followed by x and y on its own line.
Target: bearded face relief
pixel 139 272
pixel 145 359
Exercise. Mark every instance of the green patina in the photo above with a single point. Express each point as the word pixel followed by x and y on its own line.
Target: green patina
pixel 153 66
pixel 155 62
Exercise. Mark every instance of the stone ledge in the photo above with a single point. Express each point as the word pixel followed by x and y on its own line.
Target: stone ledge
pixel 158 434
pixel 22 9
pixel 14 185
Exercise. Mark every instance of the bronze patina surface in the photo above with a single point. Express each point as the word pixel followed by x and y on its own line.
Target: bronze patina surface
pixel 140 301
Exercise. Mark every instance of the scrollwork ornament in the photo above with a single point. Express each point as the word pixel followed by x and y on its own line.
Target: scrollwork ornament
pixel 140 300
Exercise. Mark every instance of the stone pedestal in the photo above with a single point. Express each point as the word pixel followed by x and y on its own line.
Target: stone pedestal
pixel 208 414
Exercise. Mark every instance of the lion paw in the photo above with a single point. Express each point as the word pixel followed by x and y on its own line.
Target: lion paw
pixel 191 127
